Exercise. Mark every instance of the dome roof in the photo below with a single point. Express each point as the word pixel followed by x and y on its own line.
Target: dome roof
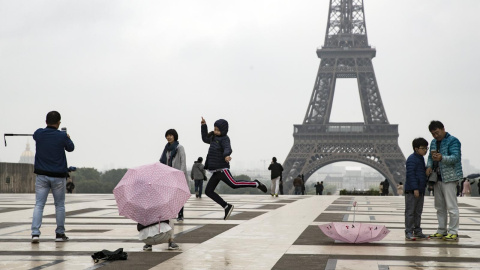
pixel 27 156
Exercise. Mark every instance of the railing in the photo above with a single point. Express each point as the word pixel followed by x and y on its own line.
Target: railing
pixel 342 128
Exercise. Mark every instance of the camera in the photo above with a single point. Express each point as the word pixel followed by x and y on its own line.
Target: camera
pixel 64 129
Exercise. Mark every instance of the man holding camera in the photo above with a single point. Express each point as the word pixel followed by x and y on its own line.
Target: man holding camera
pixel 51 170
pixel 445 160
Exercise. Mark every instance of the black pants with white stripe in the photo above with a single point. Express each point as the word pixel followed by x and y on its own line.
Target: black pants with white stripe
pixel 227 178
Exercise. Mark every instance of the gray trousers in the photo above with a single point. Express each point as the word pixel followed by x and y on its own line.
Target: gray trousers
pixel 413 213
pixel 446 205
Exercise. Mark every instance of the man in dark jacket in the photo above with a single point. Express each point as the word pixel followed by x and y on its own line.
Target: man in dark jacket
pixel 415 183
pixel 276 172
pixel 52 172
pixel 386 186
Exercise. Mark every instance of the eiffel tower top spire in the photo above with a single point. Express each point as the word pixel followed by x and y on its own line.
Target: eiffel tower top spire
pixel 346 25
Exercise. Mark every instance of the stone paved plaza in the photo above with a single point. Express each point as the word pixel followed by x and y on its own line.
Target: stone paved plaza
pixel 262 233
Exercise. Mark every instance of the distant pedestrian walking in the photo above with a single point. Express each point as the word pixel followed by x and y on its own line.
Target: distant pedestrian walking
pixel 303 185
pixel 400 189
pixel 174 156
pixel 386 186
pixel 280 186
pixel 298 183
pixel 198 175
pixel 276 170
pixel 51 170
pixel 467 188
pixel 218 162
pixel 319 188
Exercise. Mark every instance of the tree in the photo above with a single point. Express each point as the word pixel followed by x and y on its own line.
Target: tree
pixel 113 176
pixel 82 174
pixel 90 180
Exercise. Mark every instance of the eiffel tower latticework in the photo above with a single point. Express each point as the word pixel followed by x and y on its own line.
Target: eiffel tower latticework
pixel 319 142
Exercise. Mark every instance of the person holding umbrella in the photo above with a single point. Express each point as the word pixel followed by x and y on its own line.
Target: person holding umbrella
pixel 157 233
pixel 218 162
pixel 174 156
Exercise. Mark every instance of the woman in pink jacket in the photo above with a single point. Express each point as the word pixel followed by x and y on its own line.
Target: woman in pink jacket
pixel 467 188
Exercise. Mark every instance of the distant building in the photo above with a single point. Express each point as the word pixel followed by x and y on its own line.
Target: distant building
pixel 16 178
pixel 27 156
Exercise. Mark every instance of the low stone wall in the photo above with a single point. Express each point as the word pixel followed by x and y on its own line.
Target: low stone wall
pixel 17 178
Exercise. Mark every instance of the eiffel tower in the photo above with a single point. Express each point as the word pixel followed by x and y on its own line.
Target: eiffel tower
pixel 319 142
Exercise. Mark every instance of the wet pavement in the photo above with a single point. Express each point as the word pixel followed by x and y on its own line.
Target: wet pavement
pixel 262 233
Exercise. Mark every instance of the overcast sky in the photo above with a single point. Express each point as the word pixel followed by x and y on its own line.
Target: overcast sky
pixel 123 72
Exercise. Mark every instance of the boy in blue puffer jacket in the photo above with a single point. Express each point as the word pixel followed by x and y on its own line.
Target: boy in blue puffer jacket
pixel 218 159
pixel 416 180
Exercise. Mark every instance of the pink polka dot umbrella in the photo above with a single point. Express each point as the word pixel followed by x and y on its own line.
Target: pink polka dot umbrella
pixel 151 193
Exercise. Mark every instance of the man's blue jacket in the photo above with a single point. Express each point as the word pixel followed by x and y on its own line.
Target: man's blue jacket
pixel 451 163
pixel 50 159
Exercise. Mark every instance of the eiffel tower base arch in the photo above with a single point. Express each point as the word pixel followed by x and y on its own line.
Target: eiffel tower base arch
pixel 327 144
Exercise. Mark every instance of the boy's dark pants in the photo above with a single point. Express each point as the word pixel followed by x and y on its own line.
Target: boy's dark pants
pixel 227 178
pixel 413 212
pixel 199 187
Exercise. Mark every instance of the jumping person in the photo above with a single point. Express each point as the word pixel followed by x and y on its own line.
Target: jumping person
pixel 218 162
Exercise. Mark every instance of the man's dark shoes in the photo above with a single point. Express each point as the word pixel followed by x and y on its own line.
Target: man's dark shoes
pixel 61 237
pixel 35 238
pixel 228 211
pixel 261 186
pixel 147 247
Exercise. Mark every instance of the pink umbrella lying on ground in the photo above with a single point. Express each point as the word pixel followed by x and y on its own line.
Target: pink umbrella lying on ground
pixel 151 193
pixel 354 232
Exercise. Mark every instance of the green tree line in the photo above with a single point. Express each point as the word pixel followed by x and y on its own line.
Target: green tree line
pixel 90 180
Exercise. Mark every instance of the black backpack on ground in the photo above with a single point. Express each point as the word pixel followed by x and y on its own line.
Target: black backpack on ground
pixel 109 255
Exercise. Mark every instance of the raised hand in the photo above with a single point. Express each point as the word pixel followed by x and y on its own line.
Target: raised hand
pixel 203 121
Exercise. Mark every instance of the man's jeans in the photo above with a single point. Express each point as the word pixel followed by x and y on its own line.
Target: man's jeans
pixel 413 212
pixel 446 205
pixel 298 190
pixel 43 185
pixel 199 187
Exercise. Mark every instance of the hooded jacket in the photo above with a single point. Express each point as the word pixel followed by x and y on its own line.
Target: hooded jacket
pixel 197 172
pixel 219 146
